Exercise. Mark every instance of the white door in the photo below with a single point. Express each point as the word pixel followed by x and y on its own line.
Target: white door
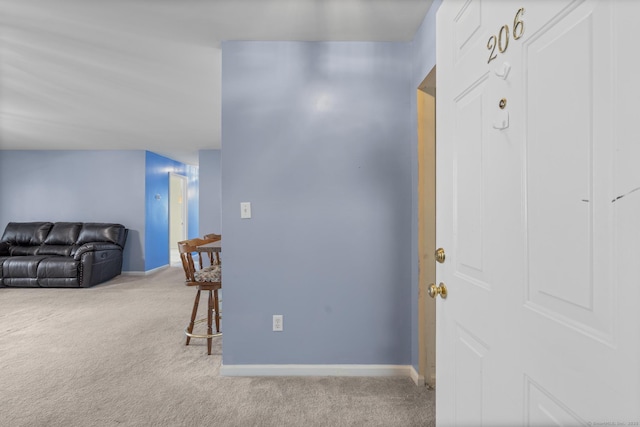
pixel 538 210
pixel 177 214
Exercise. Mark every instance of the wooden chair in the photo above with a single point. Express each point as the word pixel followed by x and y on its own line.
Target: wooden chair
pixel 212 237
pixel 206 279
pixel 207 238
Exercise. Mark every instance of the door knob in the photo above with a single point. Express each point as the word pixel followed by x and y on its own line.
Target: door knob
pixel 440 255
pixel 438 290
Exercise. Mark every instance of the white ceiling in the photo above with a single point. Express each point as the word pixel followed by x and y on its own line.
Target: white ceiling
pixel 145 74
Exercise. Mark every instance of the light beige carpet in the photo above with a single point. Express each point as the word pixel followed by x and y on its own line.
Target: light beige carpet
pixel 114 355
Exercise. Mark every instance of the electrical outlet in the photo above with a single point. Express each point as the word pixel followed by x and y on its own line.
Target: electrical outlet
pixel 277 323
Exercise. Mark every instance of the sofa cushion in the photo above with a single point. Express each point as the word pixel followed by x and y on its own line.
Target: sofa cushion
pixel 63 233
pixel 59 250
pixel 98 232
pixel 23 250
pixel 58 282
pixel 58 266
pixel 21 266
pixel 26 233
pixel 20 282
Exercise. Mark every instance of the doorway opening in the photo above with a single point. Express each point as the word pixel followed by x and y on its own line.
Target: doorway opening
pixel 177 215
pixel 426 110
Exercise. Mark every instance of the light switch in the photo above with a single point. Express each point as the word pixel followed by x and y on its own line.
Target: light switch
pixel 245 210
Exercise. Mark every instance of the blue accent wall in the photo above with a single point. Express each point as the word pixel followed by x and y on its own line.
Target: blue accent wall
pixel 157 169
pixel 317 136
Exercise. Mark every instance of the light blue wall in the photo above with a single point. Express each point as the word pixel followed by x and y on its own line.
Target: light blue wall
pixel 98 186
pixel 423 48
pixel 210 197
pixel 157 169
pixel 317 136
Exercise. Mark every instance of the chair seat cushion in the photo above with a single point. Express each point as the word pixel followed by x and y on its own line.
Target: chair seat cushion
pixel 212 273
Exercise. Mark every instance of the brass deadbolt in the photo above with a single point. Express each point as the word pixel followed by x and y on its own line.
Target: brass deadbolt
pixel 440 255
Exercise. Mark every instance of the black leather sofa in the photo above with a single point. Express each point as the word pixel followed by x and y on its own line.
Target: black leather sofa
pixel 61 254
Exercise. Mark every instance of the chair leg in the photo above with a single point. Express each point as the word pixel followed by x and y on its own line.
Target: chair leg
pixel 193 316
pixel 209 331
pixel 216 307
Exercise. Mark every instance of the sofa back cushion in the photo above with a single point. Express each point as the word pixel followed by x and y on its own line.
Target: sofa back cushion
pixel 100 232
pixel 26 233
pixel 60 250
pixel 23 250
pixel 63 233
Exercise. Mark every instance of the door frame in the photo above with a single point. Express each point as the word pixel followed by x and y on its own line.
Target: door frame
pixel 426 102
pixel 185 208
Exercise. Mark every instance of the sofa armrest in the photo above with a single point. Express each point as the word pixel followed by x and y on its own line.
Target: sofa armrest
pixel 99 261
pixel 95 247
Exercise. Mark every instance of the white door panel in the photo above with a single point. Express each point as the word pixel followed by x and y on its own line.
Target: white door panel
pixel 470 355
pixel 569 261
pixel 465 181
pixel 543 409
pixel 538 206
pixel 468 182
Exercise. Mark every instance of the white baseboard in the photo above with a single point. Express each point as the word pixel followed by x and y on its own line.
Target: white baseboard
pixel 432 384
pixel 144 273
pixel 317 370
pixel 417 378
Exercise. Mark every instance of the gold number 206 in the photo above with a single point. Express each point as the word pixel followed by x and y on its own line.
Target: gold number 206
pixel 501 41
